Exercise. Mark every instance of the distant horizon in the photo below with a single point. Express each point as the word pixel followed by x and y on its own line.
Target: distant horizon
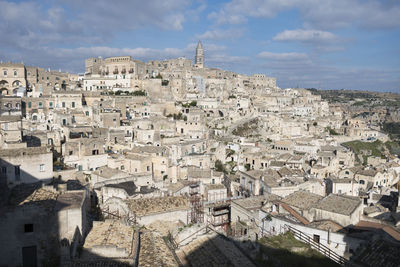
pixel 333 44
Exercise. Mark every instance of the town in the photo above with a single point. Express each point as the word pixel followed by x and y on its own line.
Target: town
pixel 171 163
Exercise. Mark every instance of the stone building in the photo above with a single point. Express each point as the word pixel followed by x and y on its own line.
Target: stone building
pixel 36 219
pixel 199 59
pixel 26 165
pixel 119 67
pixel 12 76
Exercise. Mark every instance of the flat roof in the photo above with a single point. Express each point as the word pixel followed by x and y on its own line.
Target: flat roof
pixel 339 204
pixel 146 206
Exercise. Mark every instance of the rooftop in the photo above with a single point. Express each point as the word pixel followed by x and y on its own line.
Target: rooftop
pixel 146 206
pixel 153 250
pixel 301 199
pixel 111 234
pixel 326 225
pixel 255 202
pixel 107 172
pixel 70 200
pixel 339 204
pixel 19 152
pixel 33 194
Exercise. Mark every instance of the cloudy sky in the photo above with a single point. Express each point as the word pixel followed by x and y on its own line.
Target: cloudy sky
pixel 330 44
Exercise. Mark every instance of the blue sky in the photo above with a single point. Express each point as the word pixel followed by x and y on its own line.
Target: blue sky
pixel 330 44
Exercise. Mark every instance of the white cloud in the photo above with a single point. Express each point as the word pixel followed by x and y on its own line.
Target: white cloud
pixel 327 14
pixel 313 73
pixel 30 25
pixel 305 36
pixel 220 34
pixel 131 14
pixel 291 56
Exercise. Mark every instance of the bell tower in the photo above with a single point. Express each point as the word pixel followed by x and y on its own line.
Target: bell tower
pixel 199 58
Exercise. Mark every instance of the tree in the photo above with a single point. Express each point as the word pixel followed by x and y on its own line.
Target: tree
pixel 247 166
pixel 219 166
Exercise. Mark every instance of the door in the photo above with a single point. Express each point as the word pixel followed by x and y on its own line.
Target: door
pixel 29 256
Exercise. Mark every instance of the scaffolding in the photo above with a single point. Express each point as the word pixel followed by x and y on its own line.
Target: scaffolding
pixel 108 214
pixel 220 217
pixel 196 213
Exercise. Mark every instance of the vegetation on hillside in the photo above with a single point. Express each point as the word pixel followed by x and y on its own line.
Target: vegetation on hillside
pixel 392 128
pixel 286 250
pixel 134 93
pixel 246 129
pixel 361 98
pixel 191 104
pixel 331 131
pixel 376 149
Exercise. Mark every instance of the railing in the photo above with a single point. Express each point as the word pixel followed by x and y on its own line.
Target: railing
pixel 324 250
pixel 190 236
pixel 115 214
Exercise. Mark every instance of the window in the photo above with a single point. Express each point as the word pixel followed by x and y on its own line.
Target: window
pixel 122 167
pixel 17 172
pixel 15 73
pixel 51 104
pixel 73 104
pixel 29 104
pixel 71 152
pixel 28 228
pixel 42 167
pixel 3 170
pixel 5 73
pixel 63 104
pixel 148 168
pixel 40 104
pixel 87 113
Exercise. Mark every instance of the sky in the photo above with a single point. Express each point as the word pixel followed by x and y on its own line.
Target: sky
pixel 329 44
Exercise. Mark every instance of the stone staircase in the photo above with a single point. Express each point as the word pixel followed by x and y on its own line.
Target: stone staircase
pixel 211 249
pixel 202 231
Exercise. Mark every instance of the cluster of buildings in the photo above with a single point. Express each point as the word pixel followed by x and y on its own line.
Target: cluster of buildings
pixel 134 163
